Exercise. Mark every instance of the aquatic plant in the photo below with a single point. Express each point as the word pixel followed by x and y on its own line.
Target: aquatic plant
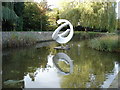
pixel 88 35
pixel 106 43
pixel 18 40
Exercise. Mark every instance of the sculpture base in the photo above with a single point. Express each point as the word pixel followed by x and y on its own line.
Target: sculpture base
pixel 62 47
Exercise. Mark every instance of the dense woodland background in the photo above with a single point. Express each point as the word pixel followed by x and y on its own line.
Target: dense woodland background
pixel 85 16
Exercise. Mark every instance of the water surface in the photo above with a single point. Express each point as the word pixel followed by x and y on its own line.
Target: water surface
pixel 41 66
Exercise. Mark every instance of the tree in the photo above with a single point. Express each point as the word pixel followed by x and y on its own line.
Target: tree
pixel 53 15
pixel 9 17
pixel 34 17
pixel 118 24
pixel 18 8
pixel 72 15
pixel 97 15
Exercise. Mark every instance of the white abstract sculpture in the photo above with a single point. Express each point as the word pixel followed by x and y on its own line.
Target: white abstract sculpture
pixel 62 38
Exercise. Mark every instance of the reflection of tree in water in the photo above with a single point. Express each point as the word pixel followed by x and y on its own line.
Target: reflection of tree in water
pixel 90 68
pixel 42 56
pixel 20 62
pixel 51 48
pixel 63 66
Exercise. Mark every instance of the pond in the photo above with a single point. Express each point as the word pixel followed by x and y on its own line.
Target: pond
pixel 42 66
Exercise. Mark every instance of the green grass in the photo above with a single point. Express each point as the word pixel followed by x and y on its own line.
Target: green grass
pixel 106 43
pixel 17 40
pixel 88 35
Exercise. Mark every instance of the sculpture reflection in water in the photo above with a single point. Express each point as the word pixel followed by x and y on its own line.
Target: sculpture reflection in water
pixel 52 73
pixel 65 58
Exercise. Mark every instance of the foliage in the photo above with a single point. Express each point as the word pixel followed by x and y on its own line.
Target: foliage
pixel 88 35
pixel 97 15
pixel 72 15
pixel 8 14
pixel 34 18
pixel 18 8
pixel 20 16
pixel 19 40
pixel 53 17
pixel 9 18
pixel 107 43
pixel 118 24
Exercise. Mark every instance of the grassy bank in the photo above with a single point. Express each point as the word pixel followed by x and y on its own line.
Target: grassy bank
pixel 16 40
pixel 88 35
pixel 106 43
pixel 21 39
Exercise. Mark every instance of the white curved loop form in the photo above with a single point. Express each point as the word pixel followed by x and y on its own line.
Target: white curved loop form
pixel 60 38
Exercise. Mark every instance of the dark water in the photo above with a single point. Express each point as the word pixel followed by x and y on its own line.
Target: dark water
pixel 42 66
